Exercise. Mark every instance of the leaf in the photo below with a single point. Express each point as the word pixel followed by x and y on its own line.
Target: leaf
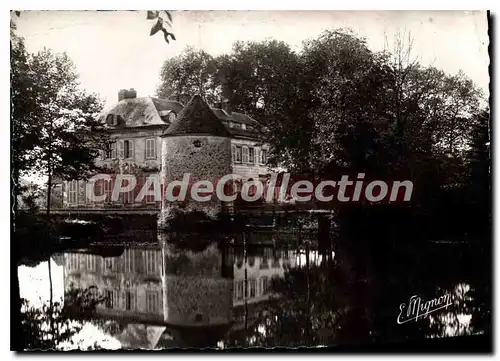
pixel 166 34
pixel 152 14
pixel 156 27
pixel 169 15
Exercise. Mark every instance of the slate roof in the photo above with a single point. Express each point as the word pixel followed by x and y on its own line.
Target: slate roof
pixel 142 111
pixel 146 111
pixel 197 118
pixel 234 117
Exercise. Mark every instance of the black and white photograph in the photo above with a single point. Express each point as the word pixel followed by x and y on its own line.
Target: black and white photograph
pixel 251 180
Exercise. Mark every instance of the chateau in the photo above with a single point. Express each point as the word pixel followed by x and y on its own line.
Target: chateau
pixel 138 124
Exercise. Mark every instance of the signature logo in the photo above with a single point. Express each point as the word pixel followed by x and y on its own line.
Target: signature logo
pixel 416 307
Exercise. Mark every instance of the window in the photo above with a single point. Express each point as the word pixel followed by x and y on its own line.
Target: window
pixel 149 198
pixel 238 154
pixel 129 298
pixel 152 261
pixel 73 192
pixel 264 156
pixel 121 149
pixel 239 289
pixel 265 285
pixel 107 189
pixel 110 119
pixel 128 148
pixel 265 258
pixel 113 151
pixel 128 197
pixel 111 299
pixel 245 154
pixel 129 263
pixel 150 148
pixel 233 152
pixel 171 117
pixel 252 284
pixel 152 302
pixel 251 155
pixel 73 261
pixel 243 126
pixel 109 264
pixel 107 151
pixel 276 258
pixel 257 156
pixel 91 262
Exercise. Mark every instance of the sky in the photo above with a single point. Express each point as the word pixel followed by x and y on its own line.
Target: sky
pixel 113 50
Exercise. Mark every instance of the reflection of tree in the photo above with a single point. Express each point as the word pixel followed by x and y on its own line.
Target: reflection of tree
pixel 285 319
pixel 68 317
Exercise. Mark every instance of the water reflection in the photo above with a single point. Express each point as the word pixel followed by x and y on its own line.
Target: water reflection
pixel 174 293
pixel 194 290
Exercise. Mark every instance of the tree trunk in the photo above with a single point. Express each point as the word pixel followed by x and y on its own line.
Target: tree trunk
pixel 51 301
pixel 17 341
pixel 308 311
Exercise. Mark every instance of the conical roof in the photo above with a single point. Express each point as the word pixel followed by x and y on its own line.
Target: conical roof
pixel 197 118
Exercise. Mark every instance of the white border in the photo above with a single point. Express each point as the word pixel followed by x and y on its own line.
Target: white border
pixel 227 5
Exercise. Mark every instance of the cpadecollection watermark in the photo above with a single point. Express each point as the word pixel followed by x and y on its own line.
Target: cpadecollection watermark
pixel 231 186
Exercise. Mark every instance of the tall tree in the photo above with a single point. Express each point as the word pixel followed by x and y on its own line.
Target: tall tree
pixel 55 128
pixel 188 74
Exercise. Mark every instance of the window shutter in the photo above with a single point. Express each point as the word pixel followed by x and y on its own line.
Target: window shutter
pixel 132 148
pixel 245 155
pixel 81 192
pixel 113 151
pixel 121 149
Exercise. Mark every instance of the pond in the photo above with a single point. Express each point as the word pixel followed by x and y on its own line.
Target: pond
pixel 192 290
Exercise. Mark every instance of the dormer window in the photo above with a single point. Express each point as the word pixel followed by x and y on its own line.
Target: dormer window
pixel 112 120
pixel 109 119
pixel 171 117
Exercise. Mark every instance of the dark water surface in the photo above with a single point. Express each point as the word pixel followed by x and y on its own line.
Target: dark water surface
pixel 248 289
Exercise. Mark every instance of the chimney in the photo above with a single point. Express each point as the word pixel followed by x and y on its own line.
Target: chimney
pixel 127 94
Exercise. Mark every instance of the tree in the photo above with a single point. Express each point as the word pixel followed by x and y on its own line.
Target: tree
pixel 192 72
pixel 55 131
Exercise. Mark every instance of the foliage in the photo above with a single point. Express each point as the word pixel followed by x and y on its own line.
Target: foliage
pixel 188 74
pixel 68 317
pixel 160 23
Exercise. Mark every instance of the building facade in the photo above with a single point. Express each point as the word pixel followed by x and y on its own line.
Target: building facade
pixel 137 125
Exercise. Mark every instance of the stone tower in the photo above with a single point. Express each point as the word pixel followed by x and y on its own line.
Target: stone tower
pixel 197 143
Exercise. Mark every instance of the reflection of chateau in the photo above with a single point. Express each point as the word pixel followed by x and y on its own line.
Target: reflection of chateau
pixel 261 269
pixel 131 282
pixel 153 288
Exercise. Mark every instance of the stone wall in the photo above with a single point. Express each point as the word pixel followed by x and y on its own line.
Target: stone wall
pixel 205 158
pixel 196 293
